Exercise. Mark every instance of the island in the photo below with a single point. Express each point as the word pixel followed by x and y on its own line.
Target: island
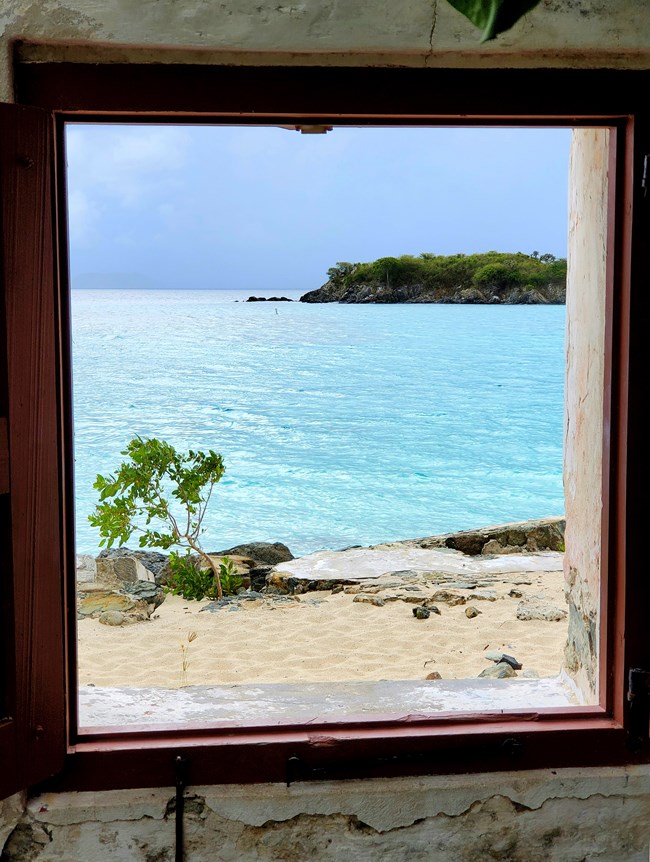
pixel 489 278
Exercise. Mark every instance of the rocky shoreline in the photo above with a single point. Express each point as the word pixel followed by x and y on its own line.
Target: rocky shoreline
pixel 122 586
pixel 377 292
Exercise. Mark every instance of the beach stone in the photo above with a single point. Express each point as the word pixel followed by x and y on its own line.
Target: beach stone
pixel 270 553
pixel 515 594
pixel 498 671
pixel 112 618
pixel 369 600
pixel 421 613
pixel 530 674
pixel 537 610
pixel 485 595
pixel 448 598
pixel 497 656
pixel 412 600
pixel 86 568
pixel 431 607
pixel 471 612
pixel 433 675
pixel 147 591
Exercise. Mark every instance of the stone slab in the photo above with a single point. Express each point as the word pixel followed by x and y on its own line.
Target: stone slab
pixel 272 704
pixel 359 564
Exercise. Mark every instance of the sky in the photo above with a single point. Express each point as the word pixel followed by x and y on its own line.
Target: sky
pixel 271 209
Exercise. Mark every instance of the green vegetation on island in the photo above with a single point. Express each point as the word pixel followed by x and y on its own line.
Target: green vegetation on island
pixel 492 277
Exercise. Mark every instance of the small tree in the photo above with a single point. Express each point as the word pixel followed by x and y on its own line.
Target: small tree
pixel 161 494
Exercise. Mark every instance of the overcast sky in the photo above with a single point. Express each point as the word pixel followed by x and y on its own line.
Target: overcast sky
pixel 271 209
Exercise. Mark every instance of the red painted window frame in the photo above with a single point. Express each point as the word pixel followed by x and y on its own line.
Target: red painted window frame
pixel 549 738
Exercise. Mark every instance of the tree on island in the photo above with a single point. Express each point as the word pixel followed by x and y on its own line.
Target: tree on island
pixel 442 276
pixel 163 495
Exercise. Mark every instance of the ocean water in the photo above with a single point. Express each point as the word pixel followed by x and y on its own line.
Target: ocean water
pixel 338 424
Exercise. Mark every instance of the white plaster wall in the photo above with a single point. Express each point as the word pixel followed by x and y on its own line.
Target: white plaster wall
pixel 587 33
pixel 540 816
pixel 585 332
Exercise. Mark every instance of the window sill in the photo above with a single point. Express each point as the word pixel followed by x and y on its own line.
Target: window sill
pixel 273 704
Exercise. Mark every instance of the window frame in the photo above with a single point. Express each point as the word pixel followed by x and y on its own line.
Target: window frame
pixel 407 745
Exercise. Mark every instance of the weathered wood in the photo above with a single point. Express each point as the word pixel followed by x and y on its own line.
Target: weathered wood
pixel 34 692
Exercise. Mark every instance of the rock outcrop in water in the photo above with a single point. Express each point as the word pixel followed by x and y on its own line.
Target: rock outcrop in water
pixel 493 278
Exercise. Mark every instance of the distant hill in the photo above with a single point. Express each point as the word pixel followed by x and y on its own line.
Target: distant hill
pixel 490 278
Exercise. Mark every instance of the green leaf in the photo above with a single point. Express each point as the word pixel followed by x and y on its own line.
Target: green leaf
pixel 493 16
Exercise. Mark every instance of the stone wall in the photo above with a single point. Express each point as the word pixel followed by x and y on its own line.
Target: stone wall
pixel 541 816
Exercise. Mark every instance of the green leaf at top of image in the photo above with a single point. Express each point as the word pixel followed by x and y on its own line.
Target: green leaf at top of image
pixel 493 16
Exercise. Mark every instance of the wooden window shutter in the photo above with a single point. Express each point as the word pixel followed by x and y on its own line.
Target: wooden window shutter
pixel 32 694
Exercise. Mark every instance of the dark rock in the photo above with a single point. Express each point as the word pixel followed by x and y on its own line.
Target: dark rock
pixel 545 534
pixel 471 612
pixel 496 656
pixel 338 290
pixel 258 576
pixel 269 299
pixel 269 553
pixel 421 613
pixel 433 675
pixel 515 594
pixel 149 592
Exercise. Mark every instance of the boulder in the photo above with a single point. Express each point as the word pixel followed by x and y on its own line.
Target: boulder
pixel 122 565
pixel 94 600
pixel 269 553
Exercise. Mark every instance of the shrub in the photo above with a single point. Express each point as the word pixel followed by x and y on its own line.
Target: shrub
pixel 190 581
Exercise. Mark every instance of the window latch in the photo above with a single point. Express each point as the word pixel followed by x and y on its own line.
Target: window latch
pixel 638 696
pixel 181 768
pixel 644 176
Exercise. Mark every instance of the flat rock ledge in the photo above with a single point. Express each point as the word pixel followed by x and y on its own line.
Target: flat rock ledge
pixel 471 559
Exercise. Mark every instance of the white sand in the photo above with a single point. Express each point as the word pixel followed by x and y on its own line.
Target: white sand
pixel 321 637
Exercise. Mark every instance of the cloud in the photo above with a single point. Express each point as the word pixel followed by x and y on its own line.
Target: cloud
pixel 125 164
pixel 83 218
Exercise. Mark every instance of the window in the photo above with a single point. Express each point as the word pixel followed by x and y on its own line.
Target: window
pixel 39 451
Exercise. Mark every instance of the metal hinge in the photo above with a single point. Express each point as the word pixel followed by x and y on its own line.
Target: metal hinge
pixel 638 696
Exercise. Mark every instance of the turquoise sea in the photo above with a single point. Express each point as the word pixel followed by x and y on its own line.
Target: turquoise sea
pixel 339 424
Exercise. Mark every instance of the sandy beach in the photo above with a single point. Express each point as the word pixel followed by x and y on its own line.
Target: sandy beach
pixel 323 636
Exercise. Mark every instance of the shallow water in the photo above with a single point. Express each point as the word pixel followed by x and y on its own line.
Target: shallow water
pixel 339 424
